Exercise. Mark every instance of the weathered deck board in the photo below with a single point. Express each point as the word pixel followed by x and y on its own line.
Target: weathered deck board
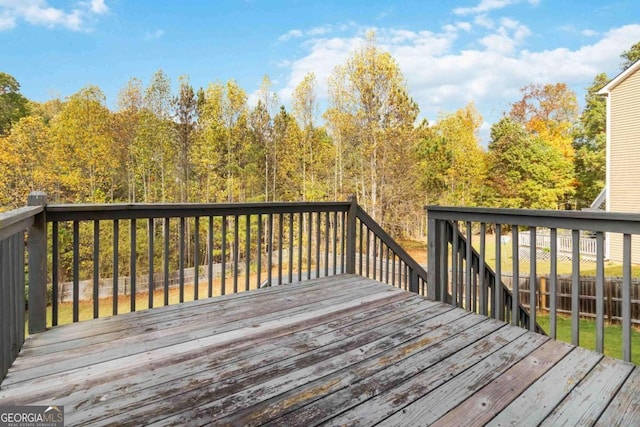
pixel 341 350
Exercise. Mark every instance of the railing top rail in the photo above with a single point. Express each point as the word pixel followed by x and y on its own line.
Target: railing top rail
pixel 578 220
pixel 16 220
pixel 79 212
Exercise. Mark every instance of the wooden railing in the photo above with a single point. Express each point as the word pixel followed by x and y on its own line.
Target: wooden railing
pixel 470 283
pixel 119 257
pixel 13 226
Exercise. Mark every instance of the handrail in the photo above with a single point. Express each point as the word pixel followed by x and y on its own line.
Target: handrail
pixel 617 227
pixel 17 220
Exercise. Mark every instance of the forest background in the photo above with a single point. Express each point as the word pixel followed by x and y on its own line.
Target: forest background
pixel 208 145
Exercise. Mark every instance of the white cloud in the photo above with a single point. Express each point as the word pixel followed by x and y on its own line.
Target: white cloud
pixel 153 35
pixel 488 5
pixel 39 12
pixel 98 7
pixel 289 35
pixel 321 30
pixel 589 33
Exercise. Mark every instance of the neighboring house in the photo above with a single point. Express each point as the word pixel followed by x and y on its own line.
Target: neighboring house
pixel 623 152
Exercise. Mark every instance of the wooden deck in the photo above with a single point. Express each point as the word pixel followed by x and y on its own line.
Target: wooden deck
pixel 342 350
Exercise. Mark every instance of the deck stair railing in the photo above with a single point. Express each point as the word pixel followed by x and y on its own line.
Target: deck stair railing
pixel 466 280
pixel 231 248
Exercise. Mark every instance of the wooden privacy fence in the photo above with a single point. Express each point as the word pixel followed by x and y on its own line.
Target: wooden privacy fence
pixel 587 296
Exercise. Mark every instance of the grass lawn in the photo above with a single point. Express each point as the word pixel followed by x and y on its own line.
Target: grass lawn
pixel 612 336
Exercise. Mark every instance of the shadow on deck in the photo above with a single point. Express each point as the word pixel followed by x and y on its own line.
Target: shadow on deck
pixel 340 350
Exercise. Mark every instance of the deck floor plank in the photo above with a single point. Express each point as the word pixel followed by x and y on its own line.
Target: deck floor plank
pixel 342 350
pixel 537 402
pixel 210 398
pixel 589 399
pixel 481 407
pixel 624 409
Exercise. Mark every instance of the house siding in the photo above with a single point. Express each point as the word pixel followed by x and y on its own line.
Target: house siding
pixel 624 162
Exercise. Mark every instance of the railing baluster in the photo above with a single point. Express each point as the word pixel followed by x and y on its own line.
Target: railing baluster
pixel 55 265
pixel 223 274
pixel 469 262
pixel 368 252
pixel 76 269
pixel 236 252
pixel 259 254
pixel 375 255
pixel 482 282
pixel 326 244
pixel 532 279
pixel 280 246
pixel 300 244
pixel 600 292
pixel 96 268
pixel 444 261
pixel 210 258
pixel 335 242
pixel 247 252
pixel 498 300
pixel 166 232
pixel 309 254
pixel 290 274
pixel 575 288
pixel 393 270
pixel 626 297
pixel 515 283
pixel 360 238
pixel 196 258
pixel 318 242
pixel 116 287
pixel 181 257
pixel 270 249
pixel 386 270
pixel 453 225
pixel 132 263
pixel 553 285
pixel 343 242
pixel 150 252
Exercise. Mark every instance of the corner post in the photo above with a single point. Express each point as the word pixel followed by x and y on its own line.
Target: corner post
pixel 433 266
pixel 37 246
pixel 351 235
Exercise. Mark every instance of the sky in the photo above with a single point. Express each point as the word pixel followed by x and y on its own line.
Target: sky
pixel 450 52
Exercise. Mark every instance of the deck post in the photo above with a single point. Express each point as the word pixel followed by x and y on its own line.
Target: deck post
pixel 37 246
pixel 351 235
pixel 433 265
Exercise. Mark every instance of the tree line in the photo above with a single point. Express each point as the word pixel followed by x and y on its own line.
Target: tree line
pixel 212 145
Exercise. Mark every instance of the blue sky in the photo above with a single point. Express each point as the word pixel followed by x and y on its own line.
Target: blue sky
pixel 451 52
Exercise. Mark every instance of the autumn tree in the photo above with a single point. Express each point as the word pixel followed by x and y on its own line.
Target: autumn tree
pixel 154 148
pixel 127 129
pixel 185 109
pixel 87 156
pixel 25 159
pixel 526 171
pixel 630 56
pixel 453 163
pixel 13 105
pixel 590 145
pixel 374 116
